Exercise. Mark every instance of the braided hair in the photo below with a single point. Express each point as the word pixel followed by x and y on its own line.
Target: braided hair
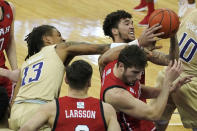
pixel 34 39
pixel 4 102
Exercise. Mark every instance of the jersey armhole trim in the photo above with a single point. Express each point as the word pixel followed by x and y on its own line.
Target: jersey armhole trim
pixel 7 3
pixel 3 13
pixel 57 114
pixel 111 87
pixel 103 116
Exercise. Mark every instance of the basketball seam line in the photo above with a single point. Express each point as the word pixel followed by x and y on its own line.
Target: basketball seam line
pixel 155 15
pixel 161 18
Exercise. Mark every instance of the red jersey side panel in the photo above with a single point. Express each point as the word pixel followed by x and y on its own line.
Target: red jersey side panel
pixel 79 114
pixel 5 28
pixel 145 125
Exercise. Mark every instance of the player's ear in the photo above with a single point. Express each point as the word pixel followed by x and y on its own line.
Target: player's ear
pixel 121 66
pixel 89 83
pixel 114 31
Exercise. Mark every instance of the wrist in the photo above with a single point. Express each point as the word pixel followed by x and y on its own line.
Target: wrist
pixel 167 84
pixel 135 42
pixel 113 45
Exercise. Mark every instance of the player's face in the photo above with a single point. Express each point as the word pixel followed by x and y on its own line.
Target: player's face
pixel 126 30
pixel 131 75
pixel 56 37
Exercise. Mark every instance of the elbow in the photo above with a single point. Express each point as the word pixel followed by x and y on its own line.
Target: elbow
pixel 102 61
pixel 153 115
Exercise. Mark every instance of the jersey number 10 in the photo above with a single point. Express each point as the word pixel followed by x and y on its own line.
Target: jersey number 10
pixel 188 44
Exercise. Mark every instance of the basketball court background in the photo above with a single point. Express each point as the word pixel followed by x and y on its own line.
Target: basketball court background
pixel 81 20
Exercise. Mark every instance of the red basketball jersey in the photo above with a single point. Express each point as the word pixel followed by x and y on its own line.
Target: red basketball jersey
pixel 109 81
pixel 79 114
pixel 145 124
pixel 5 28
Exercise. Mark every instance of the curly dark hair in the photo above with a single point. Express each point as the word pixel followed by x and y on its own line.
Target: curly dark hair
pixel 112 20
pixel 133 56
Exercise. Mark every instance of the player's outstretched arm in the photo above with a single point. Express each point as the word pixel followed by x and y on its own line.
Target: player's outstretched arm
pixel 123 101
pixel 12 75
pixel 46 114
pixel 161 58
pixel 72 48
pixel 109 56
pixel 111 118
pixel 11 48
pixel 150 92
pixel 145 40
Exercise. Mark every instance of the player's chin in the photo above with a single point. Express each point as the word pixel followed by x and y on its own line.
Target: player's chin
pixel 132 38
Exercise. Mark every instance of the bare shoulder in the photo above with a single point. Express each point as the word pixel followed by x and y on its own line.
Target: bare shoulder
pixel 119 98
pixel 116 92
pixel 116 96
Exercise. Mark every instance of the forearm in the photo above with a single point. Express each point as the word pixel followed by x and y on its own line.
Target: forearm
pixel 11 54
pixel 113 53
pixel 114 125
pixel 159 58
pixel 4 72
pixel 150 92
pixel 85 48
pixel 158 105
pixel 15 91
pixel 174 49
pixel 110 55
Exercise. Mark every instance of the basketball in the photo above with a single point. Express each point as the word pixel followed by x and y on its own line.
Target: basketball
pixel 168 19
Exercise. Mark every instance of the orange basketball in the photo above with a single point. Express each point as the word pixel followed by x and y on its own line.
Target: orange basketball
pixel 168 19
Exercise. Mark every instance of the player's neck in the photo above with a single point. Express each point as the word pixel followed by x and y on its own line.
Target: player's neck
pixel 118 40
pixel 77 93
pixel 116 72
pixel 188 11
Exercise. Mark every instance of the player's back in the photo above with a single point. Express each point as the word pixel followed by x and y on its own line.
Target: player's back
pixel 41 76
pixel 187 37
pixel 74 114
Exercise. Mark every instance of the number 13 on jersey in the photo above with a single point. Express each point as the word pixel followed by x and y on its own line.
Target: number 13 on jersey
pixel 36 69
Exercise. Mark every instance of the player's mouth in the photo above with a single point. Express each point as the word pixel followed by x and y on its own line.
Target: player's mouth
pixel 131 33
